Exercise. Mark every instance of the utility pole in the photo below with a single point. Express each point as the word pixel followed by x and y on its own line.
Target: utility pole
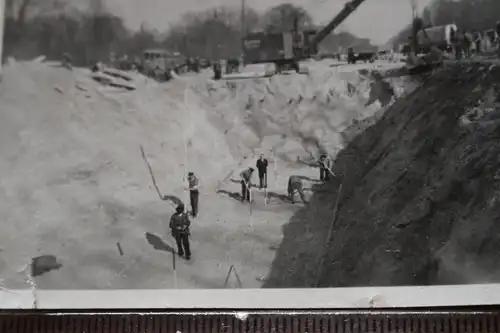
pixel 2 23
pixel 414 30
pixel 243 26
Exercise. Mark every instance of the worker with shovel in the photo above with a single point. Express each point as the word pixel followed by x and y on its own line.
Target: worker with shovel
pixel 246 183
pixel 325 164
pixel 179 225
pixel 295 185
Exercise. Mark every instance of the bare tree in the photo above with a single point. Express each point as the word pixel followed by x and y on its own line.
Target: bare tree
pixel 213 34
pixel 286 17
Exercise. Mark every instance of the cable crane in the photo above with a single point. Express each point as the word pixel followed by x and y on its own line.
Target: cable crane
pixel 286 49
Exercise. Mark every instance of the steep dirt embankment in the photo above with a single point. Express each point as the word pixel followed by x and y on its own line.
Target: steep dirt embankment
pixel 420 195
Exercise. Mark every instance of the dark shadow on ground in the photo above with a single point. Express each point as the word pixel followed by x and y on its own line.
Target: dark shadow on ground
pixel 157 243
pixel 175 200
pixel 44 264
pixel 282 197
pixel 234 195
pixel 309 179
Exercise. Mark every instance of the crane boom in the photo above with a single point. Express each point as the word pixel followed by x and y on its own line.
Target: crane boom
pixel 349 7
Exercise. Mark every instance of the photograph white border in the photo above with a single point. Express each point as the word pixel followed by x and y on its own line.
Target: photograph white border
pixel 306 298
pixel 247 299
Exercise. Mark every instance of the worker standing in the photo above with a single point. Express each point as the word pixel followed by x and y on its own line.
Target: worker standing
pixel 467 44
pixel 262 168
pixel 497 30
pixel 246 184
pixel 194 192
pixel 324 167
pixel 295 185
pixel 457 44
pixel 179 225
pixel 478 42
pixel 497 39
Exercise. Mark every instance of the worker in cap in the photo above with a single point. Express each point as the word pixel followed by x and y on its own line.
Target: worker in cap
pixel 325 165
pixel 179 225
pixel 194 192
pixel 262 168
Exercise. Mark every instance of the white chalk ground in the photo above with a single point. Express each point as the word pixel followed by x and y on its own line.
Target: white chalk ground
pixel 74 183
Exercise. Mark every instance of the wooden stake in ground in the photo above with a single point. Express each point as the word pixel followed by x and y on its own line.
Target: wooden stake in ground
pixel 175 270
pixel 249 189
pixel 233 269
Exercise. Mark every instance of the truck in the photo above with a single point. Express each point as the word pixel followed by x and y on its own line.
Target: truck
pixel 156 62
pixel 361 55
pixel 439 36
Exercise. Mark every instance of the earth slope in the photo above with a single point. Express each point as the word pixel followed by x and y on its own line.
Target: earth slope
pixel 419 199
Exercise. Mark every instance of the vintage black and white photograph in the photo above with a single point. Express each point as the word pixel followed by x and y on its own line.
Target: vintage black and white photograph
pixel 189 144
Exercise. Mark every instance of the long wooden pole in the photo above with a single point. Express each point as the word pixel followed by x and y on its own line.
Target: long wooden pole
pixel 243 26
pixel 175 269
pixel 2 23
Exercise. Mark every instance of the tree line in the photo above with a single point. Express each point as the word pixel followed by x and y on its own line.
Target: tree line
pixel 52 28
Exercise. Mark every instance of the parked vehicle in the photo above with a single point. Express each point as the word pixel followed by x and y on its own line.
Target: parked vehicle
pixel 438 36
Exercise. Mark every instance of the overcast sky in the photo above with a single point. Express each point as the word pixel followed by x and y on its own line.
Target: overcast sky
pixel 378 20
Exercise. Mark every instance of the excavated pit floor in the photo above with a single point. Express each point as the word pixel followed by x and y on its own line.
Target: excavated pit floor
pixel 77 194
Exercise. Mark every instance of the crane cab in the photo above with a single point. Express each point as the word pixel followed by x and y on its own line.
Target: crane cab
pixel 283 49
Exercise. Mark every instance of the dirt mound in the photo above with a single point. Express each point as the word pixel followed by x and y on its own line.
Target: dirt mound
pixel 420 195
pixel 75 182
pixel 294 115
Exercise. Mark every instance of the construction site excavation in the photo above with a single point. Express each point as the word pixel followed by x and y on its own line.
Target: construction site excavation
pixel 276 164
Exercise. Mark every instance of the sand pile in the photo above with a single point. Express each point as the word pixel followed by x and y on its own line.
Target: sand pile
pixel 74 179
pixel 420 195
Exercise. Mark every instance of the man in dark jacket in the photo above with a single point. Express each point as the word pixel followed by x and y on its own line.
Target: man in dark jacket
pixel 246 184
pixel 295 185
pixel 497 28
pixel 179 225
pixel 262 168
pixel 194 192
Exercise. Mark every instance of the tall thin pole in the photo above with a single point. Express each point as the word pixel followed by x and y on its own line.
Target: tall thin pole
pixel 2 22
pixel 414 15
pixel 243 26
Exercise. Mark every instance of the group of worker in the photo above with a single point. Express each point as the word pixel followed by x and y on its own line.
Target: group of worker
pixel 469 43
pixel 180 222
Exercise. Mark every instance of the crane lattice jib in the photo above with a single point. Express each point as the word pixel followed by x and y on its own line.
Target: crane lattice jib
pixel 349 7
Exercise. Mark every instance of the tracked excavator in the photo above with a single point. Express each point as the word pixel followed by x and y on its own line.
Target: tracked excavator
pixel 286 49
